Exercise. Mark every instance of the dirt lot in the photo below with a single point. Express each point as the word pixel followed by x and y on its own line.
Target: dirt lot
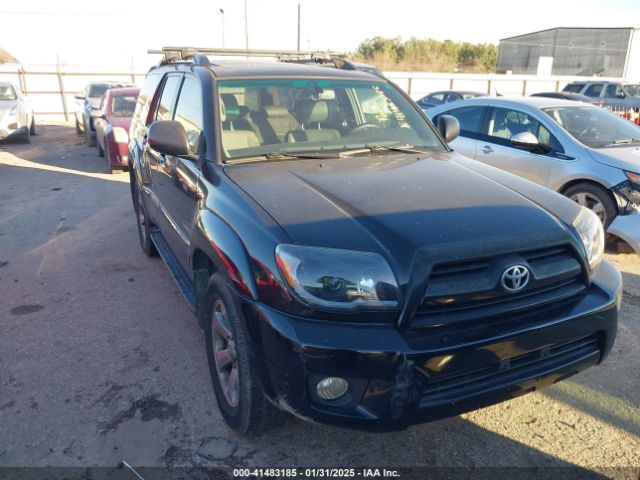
pixel 101 360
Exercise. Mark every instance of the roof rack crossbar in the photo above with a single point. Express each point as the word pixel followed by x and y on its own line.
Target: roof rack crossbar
pixel 172 54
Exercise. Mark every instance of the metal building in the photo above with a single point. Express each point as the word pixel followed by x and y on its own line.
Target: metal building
pixel 606 52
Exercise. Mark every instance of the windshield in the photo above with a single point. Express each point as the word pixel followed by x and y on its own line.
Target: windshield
pixel 7 92
pixel 98 90
pixel 123 105
pixel 270 117
pixel 595 127
pixel 633 89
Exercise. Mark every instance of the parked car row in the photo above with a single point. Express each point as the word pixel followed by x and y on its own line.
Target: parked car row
pixel 104 116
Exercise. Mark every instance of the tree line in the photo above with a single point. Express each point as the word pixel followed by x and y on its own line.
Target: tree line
pixel 428 55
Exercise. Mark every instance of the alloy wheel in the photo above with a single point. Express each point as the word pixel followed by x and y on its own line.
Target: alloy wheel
pixel 224 353
pixel 591 202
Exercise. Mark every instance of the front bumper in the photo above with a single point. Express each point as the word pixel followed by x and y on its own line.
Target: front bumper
pixel 394 382
pixel 627 228
pixel 10 126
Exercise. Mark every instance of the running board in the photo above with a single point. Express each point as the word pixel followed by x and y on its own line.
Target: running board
pixel 178 273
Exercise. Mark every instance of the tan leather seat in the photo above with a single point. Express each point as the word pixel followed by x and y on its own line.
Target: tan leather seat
pixel 279 120
pixel 235 139
pixel 312 113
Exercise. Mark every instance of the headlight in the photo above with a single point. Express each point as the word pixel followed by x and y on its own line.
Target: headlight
pixel 120 135
pixel 631 189
pixel 342 279
pixel 589 228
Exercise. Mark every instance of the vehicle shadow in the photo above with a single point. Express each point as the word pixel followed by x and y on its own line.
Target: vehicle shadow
pixel 71 150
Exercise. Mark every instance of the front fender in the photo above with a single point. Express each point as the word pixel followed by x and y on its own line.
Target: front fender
pixel 220 243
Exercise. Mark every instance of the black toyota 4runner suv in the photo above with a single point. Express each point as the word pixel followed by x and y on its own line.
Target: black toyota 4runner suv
pixel 346 265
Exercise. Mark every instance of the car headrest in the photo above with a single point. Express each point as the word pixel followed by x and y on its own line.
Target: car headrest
pixel 275 111
pixel 312 111
pixel 231 109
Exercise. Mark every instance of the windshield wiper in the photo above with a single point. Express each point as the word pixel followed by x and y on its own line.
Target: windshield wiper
pixel 381 148
pixel 625 141
pixel 281 156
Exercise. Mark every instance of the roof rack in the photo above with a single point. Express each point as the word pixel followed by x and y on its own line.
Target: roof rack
pixel 185 53
pixel 198 56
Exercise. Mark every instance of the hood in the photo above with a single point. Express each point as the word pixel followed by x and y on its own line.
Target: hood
pixel 387 203
pixel 626 158
pixel 123 122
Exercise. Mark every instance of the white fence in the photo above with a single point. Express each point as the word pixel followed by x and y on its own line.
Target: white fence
pixel 52 88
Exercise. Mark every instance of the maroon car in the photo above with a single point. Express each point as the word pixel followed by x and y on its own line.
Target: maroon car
pixel 112 120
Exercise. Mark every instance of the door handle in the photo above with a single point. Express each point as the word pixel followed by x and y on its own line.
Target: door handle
pixel 487 149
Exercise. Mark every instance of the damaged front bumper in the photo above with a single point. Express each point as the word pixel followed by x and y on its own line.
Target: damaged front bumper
pixel 397 379
pixel 10 126
pixel 627 228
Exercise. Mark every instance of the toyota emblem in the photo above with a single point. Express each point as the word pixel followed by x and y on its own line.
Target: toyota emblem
pixel 515 278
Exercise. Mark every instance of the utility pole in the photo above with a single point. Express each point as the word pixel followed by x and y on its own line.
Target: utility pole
pixel 246 26
pixel 298 27
pixel 222 14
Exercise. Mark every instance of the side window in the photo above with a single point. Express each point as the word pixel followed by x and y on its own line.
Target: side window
pixel 189 110
pixel 468 118
pixel 614 90
pixel 504 124
pixel 436 98
pixel 451 97
pixel 573 87
pixel 164 110
pixel 594 90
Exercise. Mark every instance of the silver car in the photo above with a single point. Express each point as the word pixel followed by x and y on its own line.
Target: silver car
pixel 16 114
pixel 585 152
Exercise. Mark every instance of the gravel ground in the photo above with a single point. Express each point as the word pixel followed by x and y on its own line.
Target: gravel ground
pixel 101 360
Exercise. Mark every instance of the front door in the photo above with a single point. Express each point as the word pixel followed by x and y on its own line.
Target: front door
pixel 495 148
pixel 177 178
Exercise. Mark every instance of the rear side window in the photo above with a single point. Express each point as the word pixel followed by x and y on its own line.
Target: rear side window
pixel 594 90
pixel 144 102
pixel 436 98
pixel 468 118
pixel 189 111
pixel 613 90
pixel 164 111
pixel 573 87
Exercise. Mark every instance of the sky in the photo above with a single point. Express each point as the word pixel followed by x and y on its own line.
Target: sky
pixel 119 32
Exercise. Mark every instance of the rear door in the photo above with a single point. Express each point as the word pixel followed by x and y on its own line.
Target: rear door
pixel 495 148
pixel 163 110
pixel 177 178
pixel 470 119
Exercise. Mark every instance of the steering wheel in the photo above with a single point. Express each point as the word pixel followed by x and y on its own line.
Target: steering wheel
pixel 364 126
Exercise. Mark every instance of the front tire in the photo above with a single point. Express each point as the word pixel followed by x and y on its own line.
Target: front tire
pixel 239 395
pixel 596 199
pixel 32 128
pixel 26 138
pixel 144 224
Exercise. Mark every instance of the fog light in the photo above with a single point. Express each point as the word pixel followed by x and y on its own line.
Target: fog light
pixel 332 388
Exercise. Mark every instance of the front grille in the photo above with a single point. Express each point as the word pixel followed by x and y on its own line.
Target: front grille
pixel 471 290
pixel 509 371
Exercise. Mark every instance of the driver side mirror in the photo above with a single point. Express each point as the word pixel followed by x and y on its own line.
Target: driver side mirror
pixel 620 95
pixel 449 127
pixel 170 138
pixel 79 97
